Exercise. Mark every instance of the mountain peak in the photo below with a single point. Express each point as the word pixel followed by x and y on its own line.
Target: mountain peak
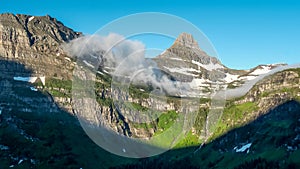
pixel 187 40
pixel 36 41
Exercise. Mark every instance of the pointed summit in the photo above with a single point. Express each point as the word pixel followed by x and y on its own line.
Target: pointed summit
pixel 187 40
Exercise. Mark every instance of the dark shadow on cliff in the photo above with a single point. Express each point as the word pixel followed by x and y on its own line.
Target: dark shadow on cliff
pixel 36 133
pixel 274 139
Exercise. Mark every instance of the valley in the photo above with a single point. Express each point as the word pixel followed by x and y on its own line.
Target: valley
pixel 40 118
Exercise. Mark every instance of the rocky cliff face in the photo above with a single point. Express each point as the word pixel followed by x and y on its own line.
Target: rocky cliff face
pixel 274 90
pixel 35 42
pixel 128 112
pixel 186 40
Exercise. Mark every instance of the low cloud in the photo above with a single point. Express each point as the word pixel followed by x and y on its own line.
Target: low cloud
pixel 122 58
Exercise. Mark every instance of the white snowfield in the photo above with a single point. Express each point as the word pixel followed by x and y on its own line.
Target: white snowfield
pixel 31 18
pixel 242 90
pixel 179 59
pixel 31 79
pixel 230 78
pixel 185 71
pixel 209 66
pixel 196 83
pixel 249 81
pixel 259 71
pixel 26 79
pixel 265 69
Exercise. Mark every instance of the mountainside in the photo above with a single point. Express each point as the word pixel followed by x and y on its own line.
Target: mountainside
pixel 194 62
pixel 35 42
pixel 272 141
pixel 39 129
pixel 187 62
pixel 258 130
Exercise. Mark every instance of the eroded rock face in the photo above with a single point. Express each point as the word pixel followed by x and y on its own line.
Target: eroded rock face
pixel 187 40
pixel 35 42
pixel 185 60
pixel 273 85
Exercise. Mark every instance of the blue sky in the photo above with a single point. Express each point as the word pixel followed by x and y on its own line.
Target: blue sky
pixel 245 33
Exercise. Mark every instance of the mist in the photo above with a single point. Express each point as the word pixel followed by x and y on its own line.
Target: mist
pixel 123 58
pixel 242 90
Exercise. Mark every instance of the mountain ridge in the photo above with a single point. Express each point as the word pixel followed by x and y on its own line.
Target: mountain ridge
pixel 268 93
pixel 35 41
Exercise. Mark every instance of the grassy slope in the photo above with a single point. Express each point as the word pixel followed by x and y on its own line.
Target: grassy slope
pixel 268 138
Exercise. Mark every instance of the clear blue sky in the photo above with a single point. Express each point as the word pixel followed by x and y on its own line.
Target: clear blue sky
pixel 244 32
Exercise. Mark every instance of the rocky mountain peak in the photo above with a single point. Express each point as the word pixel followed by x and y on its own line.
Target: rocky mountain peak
pixel 34 30
pixel 186 40
pixel 35 41
pixel 186 48
pixel 185 61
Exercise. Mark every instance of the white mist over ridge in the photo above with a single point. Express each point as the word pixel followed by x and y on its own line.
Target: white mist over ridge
pixel 122 58
pixel 242 90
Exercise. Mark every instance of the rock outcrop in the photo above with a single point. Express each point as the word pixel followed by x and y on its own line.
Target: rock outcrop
pixel 187 40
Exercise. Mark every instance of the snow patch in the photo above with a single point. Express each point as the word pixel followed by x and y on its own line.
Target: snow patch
pixel 243 149
pixel 183 70
pixel 196 83
pixel 263 70
pixel 30 79
pixel 209 66
pixel 43 80
pixel 26 79
pixel 100 73
pixel 88 64
pixel 230 78
pixel 105 71
pixel 177 59
pixel 242 90
pixel 249 77
pixel 20 161
pixel 33 89
pixel 31 18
